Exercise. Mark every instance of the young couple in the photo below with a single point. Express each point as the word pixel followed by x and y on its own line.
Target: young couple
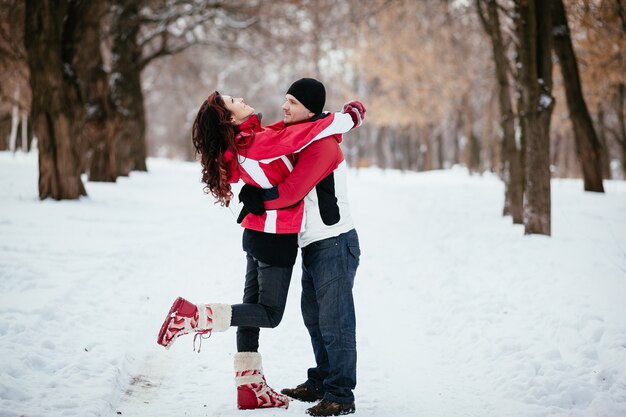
pixel 294 195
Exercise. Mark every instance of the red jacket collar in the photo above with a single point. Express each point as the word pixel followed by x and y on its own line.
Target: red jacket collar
pixel 252 124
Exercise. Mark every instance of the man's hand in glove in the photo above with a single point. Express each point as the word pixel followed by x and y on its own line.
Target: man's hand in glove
pixel 252 200
pixel 356 110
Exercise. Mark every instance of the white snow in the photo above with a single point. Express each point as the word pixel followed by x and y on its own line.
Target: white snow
pixel 458 313
pixel 545 100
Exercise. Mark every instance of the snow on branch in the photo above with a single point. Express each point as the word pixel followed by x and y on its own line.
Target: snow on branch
pixel 180 25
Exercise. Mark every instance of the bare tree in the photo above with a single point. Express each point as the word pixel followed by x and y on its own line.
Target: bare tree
pixel 14 89
pixel 587 144
pixel 143 31
pixel 534 31
pixel 92 83
pixel 512 172
pixel 598 34
pixel 620 132
pixel 53 106
pixel 606 160
pixel 125 87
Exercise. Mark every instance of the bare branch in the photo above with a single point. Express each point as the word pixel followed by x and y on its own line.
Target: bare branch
pixel 193 19
pixel 507 12
pixel 167 50
pixel 487 25
pixel 614 132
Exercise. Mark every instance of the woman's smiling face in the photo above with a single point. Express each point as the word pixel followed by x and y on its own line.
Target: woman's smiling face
pixel 240 111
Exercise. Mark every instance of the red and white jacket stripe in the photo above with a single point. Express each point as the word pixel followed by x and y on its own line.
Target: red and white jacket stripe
pixel 268 159
pixel 320 178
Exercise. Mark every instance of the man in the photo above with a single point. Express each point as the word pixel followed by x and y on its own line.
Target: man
pixel 330 253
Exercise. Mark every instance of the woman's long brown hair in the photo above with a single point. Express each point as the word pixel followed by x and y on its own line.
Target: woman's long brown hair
pixel 213 133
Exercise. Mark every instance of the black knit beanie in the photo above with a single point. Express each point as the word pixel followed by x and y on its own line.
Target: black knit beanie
pixel 310 92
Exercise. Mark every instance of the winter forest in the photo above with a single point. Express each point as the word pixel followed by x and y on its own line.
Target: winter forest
pixel 527 91
pixel 493 153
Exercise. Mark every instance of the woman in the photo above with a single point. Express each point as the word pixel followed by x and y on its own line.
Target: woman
pixel 233 145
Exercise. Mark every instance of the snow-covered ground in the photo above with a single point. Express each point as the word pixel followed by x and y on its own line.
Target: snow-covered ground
pixel 458 313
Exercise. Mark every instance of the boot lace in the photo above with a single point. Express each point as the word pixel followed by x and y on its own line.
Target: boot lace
pixel 204 334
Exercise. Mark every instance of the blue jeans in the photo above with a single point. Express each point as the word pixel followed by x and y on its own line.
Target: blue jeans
pixel 264 298
pixel 328 270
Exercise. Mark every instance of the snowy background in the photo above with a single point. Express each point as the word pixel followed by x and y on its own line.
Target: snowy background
pixel 458 313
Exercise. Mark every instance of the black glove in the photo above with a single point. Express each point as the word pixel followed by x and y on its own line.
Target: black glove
pixel 242 215
pixel 252 199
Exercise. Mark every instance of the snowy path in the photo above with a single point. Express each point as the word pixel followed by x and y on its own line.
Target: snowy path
pixel 458 313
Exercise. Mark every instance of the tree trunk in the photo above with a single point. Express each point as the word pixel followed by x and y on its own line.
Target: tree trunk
pixel 535 47
pixel 381 161
pixel 405 153
pixel 53 108
pixel 604 144
pixel 456 137
pixel 126 93
pixel 513 174
pixel 99 158
pixel 411 151
pixel 555 153
pixel 490 143
pixel 564 154
pixel 25 132
pixel 5 130
pixel 440 156
pixel 587 144
pixel 15 121
pixel 473 153
pixel 472 148
pixel 621 139
pixel 391 147
pixel 427 148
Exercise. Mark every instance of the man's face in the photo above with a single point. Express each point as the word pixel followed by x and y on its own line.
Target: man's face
pixel 294 110
pixel 238 108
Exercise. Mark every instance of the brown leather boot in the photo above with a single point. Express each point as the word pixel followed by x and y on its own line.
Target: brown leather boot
pixel 303 393
pixel 330 408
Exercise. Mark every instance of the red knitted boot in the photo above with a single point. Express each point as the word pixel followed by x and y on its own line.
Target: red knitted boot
pixel 252 389
pixel 185 317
